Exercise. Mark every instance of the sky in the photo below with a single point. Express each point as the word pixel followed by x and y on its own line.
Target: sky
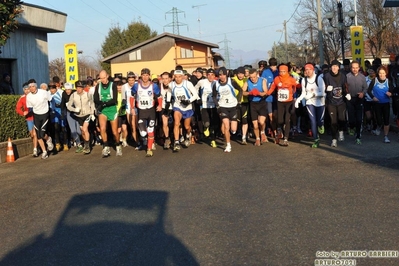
pixel 243 25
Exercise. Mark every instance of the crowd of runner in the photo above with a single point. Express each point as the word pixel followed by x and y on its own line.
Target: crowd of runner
pixel 274 102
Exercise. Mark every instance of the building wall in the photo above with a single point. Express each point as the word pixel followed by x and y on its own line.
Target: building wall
pixel 27 50
pixel 166 63
pixel 152 58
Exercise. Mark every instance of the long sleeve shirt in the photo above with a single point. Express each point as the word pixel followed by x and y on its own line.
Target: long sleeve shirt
pixel 356 84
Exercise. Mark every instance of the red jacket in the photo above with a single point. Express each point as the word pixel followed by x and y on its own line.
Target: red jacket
pixel 21 107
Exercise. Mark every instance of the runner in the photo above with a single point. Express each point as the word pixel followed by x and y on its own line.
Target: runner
pixel 166 117
pixel 226 101
pixel 256 90
pixel 38 101
pixel 105 99
pixel 313 91
pixel 210 117
pixel 183 95
pixel 380 90
pixel 22 109
pixel 357 87
pixel 337 91
pixel 144 94
pixel 286 87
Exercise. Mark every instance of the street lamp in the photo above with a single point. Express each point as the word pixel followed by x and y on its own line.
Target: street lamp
pixel 85 65
pixel 341 24
pixel 305 50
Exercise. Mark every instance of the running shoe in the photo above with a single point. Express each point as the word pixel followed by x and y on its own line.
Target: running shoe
pixel 35 152
pixel 351 132
pixel 386 140
pixel 279 133
pixel 376 132
pixel 316 144
pixel 341 136
pixel 66 148
pixel 264 138
pixel 181 139
pixel 44 155
pixel 154 147
pixel 213 144
pixel 50 145
pixel 321 130
pixel 149 153
pixel 57 147
pixel 79 149
pixel 119 150
pixel 187 142
pixel 244 142
pixel 285 143
pixel 177 146
pixel 86 150
pixel 358 141
pixel 124 143
pixel 310 134
pixel 206 132
pixel 106 152
pixel 257 142
pixel 166 145
pixel 228 148
pixel 334 143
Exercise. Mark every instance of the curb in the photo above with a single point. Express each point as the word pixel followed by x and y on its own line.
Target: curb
pixel 21 148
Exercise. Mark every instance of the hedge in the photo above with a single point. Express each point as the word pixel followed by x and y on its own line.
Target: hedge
pixel 12 125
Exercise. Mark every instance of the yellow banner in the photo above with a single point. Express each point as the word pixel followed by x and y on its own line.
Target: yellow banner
pixel 71 63
pixel 357 44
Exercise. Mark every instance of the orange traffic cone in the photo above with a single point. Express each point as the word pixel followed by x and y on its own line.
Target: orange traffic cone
pixel 10 152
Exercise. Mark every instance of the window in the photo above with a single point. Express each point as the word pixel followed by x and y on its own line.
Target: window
pixel 186 53
pixel 135 55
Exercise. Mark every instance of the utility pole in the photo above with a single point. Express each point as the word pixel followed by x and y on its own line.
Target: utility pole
pixel 226 51
pixel 320 31
pixel 286 40
pixel 175 23
pixel 199 18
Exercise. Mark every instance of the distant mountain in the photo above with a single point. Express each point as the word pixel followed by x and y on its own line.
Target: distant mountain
pixel 240 57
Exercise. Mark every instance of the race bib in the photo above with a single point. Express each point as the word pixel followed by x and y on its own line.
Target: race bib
pixel 145 102
pixel 282 95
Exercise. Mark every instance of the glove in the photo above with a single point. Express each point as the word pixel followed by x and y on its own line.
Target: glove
pixel 348 97
pixel 297 103
pixel 329 88
pixel 255 92
pixel 309 96
pixel 185 102
pixel 77 110
pixel 123 104
pixel 100 106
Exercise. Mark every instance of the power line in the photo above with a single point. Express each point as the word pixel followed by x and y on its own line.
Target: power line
pixel 140 12
pixel 155 5
pixel 117 15
pixel 77 20
pixel 237 31
pixel 294 11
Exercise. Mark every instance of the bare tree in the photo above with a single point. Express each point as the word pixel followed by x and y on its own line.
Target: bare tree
pixel 380 27
pixel 306 28
pixel 57 68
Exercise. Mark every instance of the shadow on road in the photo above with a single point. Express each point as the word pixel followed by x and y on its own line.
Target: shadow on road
pixel 110 228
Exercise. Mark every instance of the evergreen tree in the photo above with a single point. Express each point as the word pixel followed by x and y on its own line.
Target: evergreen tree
pixel 9 11
pixel 118 39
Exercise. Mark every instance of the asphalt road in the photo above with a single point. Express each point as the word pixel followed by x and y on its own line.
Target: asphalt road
pixel 267 205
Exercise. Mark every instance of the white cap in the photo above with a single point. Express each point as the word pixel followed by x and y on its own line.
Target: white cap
pixel 68 86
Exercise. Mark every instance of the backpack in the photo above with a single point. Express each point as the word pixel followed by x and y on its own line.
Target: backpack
pixel 317 78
